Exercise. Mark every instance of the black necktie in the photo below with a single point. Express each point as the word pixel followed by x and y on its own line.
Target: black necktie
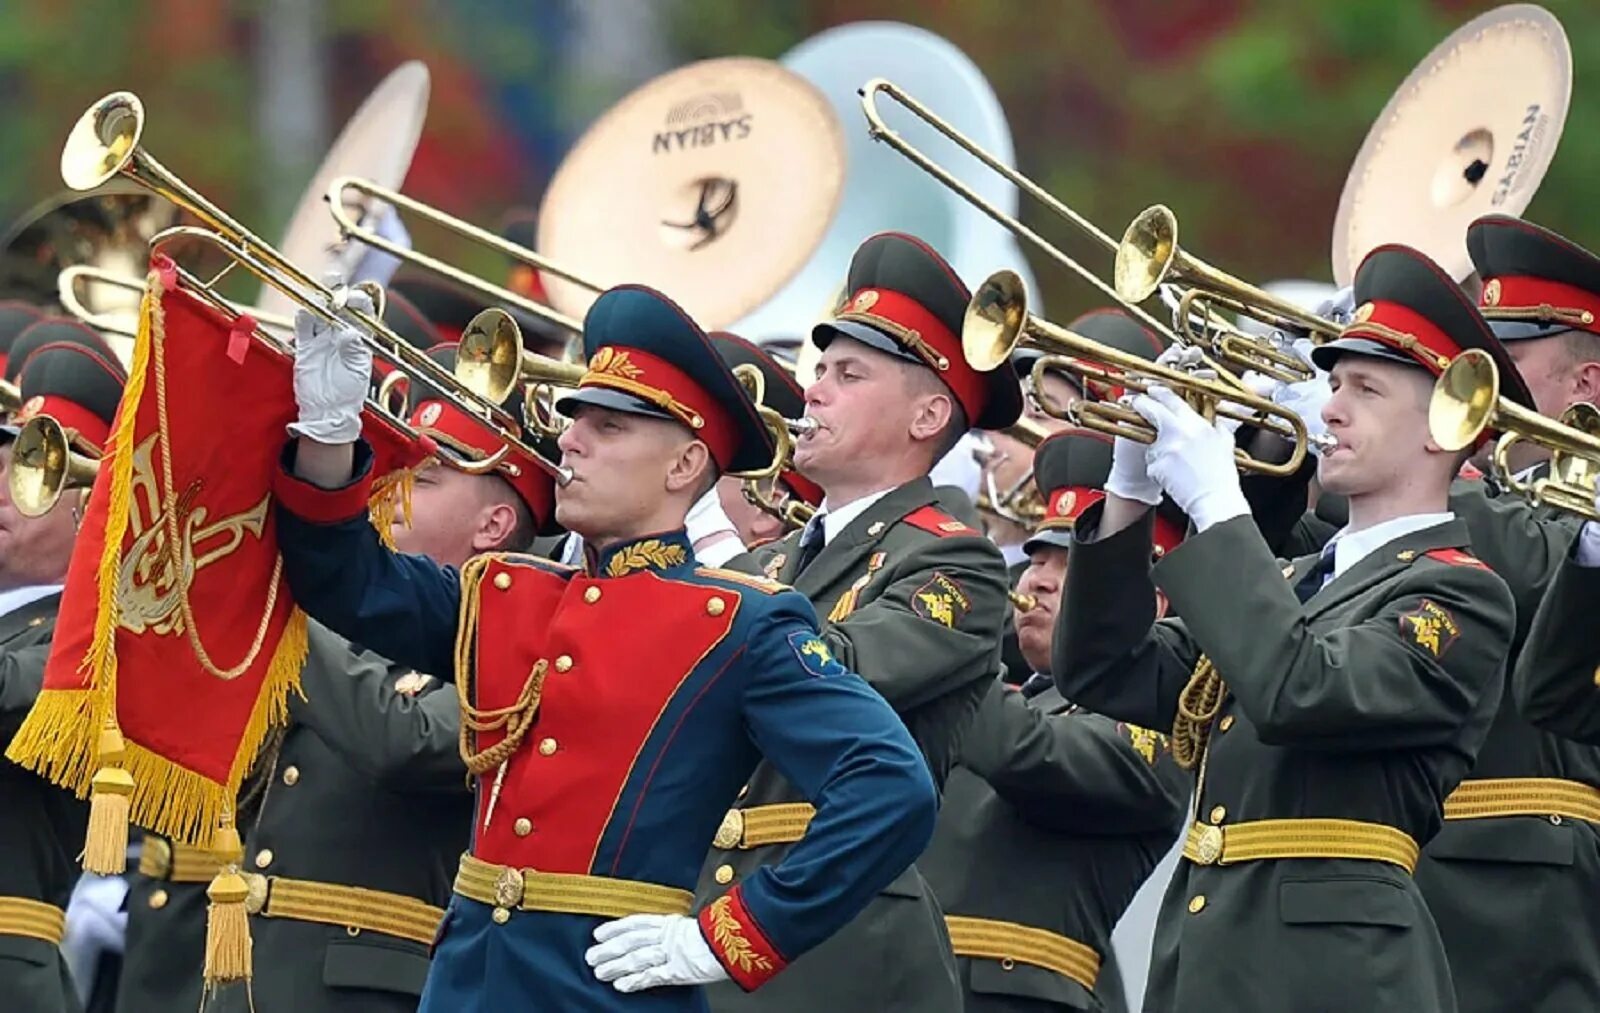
pixel 811 538
pixel 1312 582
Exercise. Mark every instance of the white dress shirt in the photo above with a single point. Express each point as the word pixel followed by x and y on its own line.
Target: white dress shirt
pixel 20 597
pixel 836 519
pixel 1351 547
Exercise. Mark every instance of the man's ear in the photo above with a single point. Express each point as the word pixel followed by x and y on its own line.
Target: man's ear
pixel 496 521
pixel 689 468
pixel 930 416
pixel 1586 382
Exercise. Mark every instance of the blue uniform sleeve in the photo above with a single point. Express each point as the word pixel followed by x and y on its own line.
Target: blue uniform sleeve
pixel 403 607
pixel 843 746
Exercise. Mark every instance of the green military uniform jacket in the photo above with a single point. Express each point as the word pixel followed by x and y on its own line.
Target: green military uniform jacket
pixel 1557 680
pixel 164 950
pixel 1480 876
pixel 1053 820
pixel 368 789
pixel 1367 703
pixel 41 826
pixel 913 600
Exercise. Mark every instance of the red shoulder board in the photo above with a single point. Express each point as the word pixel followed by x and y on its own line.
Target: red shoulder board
pixel 936 522
pixel 1455 557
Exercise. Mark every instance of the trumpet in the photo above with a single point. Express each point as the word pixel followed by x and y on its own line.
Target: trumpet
pixel 350 228
pixel 491 362
pixel 44 466
pixel 1149 257
pixel 79 276
pixel 760 487
pixel 1466 401
pixel 104 144
pixel 997 321
pixel 1240 352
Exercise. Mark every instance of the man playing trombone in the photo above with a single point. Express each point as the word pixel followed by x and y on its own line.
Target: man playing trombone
pixel 1327 706
pixel 610 713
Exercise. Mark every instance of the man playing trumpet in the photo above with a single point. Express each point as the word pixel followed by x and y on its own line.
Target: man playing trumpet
pixel 1328 705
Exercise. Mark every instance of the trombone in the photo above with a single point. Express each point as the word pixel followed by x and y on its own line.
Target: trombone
pixel 351 228
pixel 1243 351
pixel 1466 401
pixel 44 466
pixel 997 321
pixel 491 362
pixel 760 487
pixel 71 279
pixel 104 144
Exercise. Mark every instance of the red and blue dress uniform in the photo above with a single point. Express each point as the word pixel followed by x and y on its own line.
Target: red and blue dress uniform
pixel 655 688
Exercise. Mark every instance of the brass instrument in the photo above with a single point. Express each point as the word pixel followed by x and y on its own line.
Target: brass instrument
pixel 1022 601
pixel 1149 257
pixel 72 278
pixel 491 362
pixel 350 228
pixel 1241 351
pixel 104 144
pixel 997 321
pixel 1020 503
pixel 44 465
pixel 10 397
pixel 760 487
pixel 1466 401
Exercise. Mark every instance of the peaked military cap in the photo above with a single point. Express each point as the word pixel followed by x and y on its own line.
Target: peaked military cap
pixel 902 298
pixel 1109 327
pixel 646 356
pixel 1536 284
pixel 77 386
pixel 465 438
pixel 1070 469
pixel 15 317
pixel 1408 310
pixel 52 330
pixel 783 395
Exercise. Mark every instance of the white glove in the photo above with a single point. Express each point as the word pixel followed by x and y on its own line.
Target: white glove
pixel 1340 308
pixel 645 951
pixel 1129 477
pixel 1588 553
pixel 712 534
pixel 332 370
pixel 1306 398
pixel 374 264
pixel 1192 459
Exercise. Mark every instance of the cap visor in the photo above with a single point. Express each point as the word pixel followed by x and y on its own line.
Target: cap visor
pixel 824 333
pixel 1060 538
pixel 1525 330
pixel 1324 356
pixel 603 397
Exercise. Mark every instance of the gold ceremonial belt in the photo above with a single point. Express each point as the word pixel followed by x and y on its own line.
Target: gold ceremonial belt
pixel 564 892
pixel 1259 840
pixel 160 858
pixel 354 907
pixel 743 829
pixel 1523 796
pixel 20 916
pixel 1011 943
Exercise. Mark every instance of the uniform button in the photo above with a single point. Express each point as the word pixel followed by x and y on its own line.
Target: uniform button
pixel 502 581
pixel 1226 722
pixel 263 858
pixel 724 874
pixel 1218 813
pixel 547 747
pixel 564 664
pixel 501 916
pixel 715 607
pixel 158 900
pixel 291 775
pixel 1197 903
pixel 523 827
pixel 591 594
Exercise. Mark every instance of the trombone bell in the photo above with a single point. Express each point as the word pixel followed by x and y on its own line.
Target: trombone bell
pixel 105 138
pixel 44 465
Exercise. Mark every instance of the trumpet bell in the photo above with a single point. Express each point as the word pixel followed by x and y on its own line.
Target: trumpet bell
pixel 103 141
pixel 1146 253
pixel 994 320
pixel 1464 400
pixel 489 358
pixel 43 466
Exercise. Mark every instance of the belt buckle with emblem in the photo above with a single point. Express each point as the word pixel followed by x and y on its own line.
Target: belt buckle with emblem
pixel 731 832
pixel 255 898
pixel 1208 847
pixel 508 888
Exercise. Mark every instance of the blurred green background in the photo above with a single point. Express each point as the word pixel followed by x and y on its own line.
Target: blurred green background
pixel 1244 115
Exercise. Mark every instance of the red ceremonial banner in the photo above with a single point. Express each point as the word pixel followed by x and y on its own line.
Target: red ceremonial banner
pixel 178 641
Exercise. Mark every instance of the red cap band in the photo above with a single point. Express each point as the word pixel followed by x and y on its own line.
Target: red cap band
pixel 660 383
pixel 468 436
pixel 1405 330
pixel 911 324
pixel 1581 307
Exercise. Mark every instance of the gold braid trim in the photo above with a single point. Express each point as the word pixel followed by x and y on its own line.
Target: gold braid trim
pixel 1197 708
pixel 515 719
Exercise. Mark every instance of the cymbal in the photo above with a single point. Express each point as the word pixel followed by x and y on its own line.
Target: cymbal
pixel 377 143
pixel 712 183
pixel 1470 132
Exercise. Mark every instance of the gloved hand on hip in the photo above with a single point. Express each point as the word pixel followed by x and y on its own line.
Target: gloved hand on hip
pixel 1191 459
pixel 646 951
pixel 332 371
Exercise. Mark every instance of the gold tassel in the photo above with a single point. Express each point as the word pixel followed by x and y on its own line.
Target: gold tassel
pixel 105 849
pixel 227 919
